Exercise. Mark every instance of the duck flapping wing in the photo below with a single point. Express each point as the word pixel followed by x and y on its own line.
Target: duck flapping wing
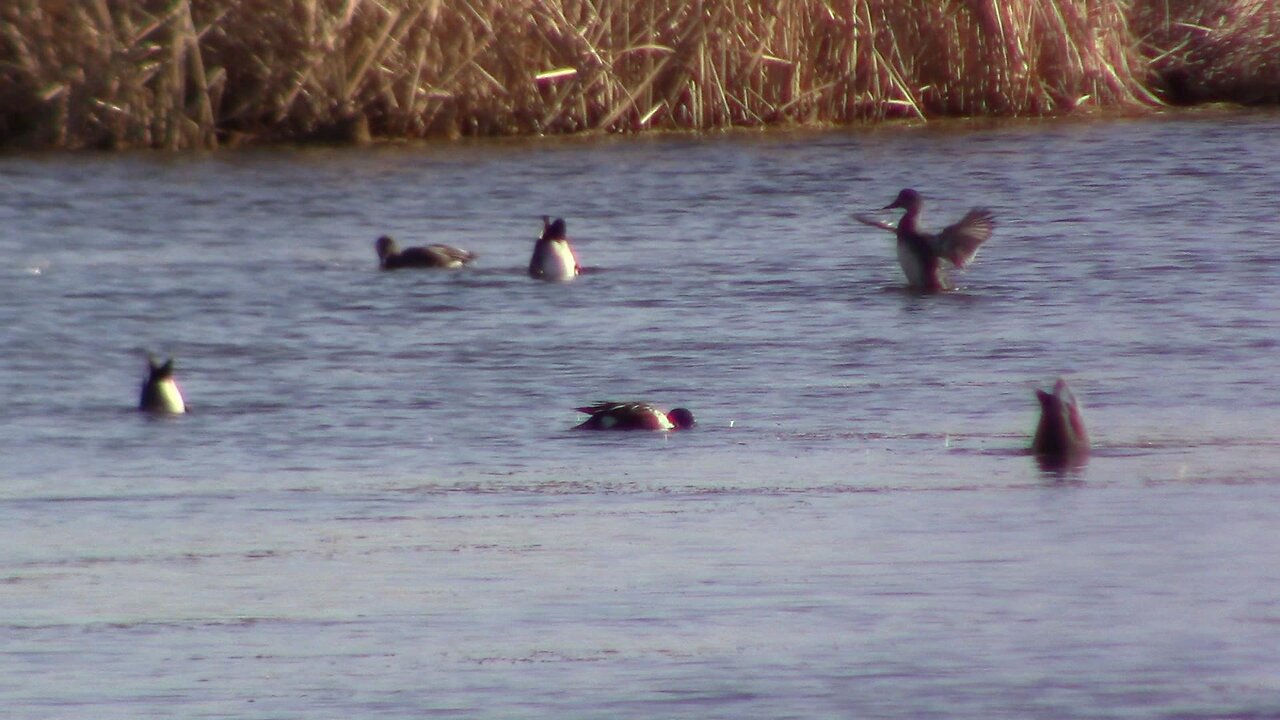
pixel 875 223
pixel 960 242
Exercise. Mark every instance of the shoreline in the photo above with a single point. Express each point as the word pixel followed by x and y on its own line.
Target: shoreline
pixel 1207 113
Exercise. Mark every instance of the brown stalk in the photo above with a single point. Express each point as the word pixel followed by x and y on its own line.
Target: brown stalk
pixel 182 74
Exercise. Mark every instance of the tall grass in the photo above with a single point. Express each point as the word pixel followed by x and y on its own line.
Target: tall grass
pixel 1213 50
pixel 198 73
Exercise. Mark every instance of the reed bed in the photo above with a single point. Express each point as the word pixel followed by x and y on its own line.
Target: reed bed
pixel 1212 50
pixel 199 73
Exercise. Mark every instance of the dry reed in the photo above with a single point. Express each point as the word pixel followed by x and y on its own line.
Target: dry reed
pixel 1213 50
pixel 198 73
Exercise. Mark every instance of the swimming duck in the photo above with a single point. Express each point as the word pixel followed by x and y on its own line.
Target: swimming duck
pixel 553 258
pixel 634 416
pixel 921 253
pixel 160 393
pixel 391 257
pixel 1060 435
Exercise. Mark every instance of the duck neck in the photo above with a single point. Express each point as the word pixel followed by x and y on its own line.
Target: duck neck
pixel 909 222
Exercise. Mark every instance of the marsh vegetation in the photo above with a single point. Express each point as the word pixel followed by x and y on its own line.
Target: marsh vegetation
pixel 202 73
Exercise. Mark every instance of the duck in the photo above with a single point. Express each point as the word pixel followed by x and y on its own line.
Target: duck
pixel 634 416
pixel 391 257
pixel 553 257
pixel 920 253
pixel 160 393
pixel 1060 436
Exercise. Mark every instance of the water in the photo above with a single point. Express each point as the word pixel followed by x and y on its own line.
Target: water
pixel 377 507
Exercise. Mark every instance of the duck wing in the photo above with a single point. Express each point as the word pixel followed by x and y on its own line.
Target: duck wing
pixel 602 407
pixel 450 255
pixel 875 223
pixel 960 242
pixel 623 416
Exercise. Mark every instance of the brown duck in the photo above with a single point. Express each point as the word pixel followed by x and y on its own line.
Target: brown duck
pixel 391 257
pixel 921 253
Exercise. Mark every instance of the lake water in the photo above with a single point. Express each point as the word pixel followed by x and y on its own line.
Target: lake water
pixel 377 507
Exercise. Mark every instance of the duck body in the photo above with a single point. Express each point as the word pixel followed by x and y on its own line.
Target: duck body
pixel 553 257
pixel 634 416
pixel 160 393
pixel 1060 435
pixel 921 254
pixel 920 264
pixel 391 257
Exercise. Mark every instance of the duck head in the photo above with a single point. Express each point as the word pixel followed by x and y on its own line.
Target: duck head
pixel 681 418
pixel 908 200
pixel 386 247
